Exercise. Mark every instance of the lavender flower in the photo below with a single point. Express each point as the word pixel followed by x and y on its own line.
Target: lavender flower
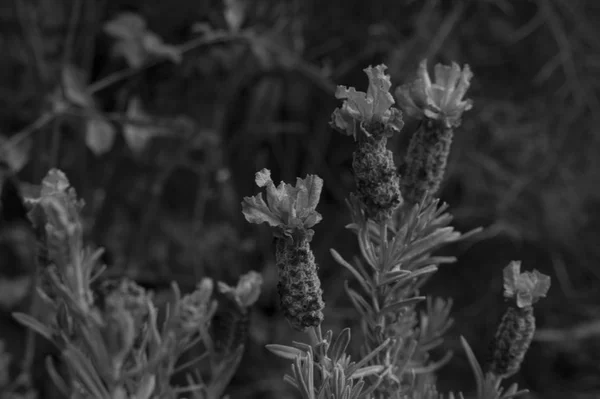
pixel 517 327
pixel 291 211
pixel 377 182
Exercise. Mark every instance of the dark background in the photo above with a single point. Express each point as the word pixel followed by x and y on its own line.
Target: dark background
pixel 524 164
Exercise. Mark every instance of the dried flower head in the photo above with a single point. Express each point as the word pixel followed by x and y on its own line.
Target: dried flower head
pixel 290 209
pixel 59 209
pixel 56 185
pixel 196 309
pixel 247 290
pixel 439 100
pixel 366 108
pixel 124 293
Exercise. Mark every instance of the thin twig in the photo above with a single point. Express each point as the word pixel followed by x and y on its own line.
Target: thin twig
pixel 70 39
pixel 184 48
pixel 110 80
pixel 27 28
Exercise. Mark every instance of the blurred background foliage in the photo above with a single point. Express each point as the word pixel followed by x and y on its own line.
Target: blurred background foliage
pixel 162 140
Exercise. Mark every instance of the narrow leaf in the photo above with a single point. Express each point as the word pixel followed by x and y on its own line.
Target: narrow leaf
pixel 286 352
pixel 431 260
pixel 359 302
pixel 338 348
pixel 359 276
pixel 56 378
pixel 429 243
pixel 365 360
pixel 394 276
pixel 418 273
pixel 34 324
pixel 366 372
pixel 397 306
pixel 479 377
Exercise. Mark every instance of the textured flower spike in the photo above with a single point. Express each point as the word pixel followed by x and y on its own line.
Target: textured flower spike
pixel 290 209
pixel 440 105
pixel 299 286
pixel 517 327
pixel 441 100
pixel 527 287
pixel 366 108
pixel 229 325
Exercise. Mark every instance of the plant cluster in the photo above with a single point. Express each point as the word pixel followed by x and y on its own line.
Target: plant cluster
pixel 112 341
pixel 399 224
pixel 116 344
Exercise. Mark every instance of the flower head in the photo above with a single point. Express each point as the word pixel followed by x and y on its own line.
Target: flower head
pixel 527 287
pixel 365 108
pixel 126 294
pixel 196 309
pixel 291 209
pixel 247 290
pixel 439 100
